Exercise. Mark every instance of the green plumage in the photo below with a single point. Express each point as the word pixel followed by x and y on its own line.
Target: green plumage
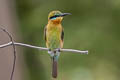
pixel 54 37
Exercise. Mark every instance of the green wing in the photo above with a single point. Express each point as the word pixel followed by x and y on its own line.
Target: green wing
pixel 62 35
pixel 45 33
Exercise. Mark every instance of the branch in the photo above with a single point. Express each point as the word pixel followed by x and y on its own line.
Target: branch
pixel 14 60
pixel 30 46
pixel 42 48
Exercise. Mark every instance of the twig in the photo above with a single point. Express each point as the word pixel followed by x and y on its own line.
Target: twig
pixel 30 46
pixel 42 48
pixel 14 60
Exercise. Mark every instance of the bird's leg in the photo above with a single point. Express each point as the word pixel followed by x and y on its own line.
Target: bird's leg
pixel 54 52
pixel 58 51
pixel 51 52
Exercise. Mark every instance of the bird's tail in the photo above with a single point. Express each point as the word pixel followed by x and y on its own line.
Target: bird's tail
pixel 54 67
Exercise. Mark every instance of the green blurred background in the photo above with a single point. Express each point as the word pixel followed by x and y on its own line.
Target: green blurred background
pixel 94 25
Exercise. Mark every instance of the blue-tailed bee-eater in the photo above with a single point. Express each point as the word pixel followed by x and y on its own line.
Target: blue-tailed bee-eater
pixel 54 36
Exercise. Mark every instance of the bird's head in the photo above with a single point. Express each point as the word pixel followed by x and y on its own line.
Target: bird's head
pixel 56 16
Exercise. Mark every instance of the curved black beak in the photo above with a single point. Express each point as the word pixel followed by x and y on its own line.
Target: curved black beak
pixel 64 14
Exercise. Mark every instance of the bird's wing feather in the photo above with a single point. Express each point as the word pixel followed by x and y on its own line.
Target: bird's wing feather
pixel 62 35
pixel 45 33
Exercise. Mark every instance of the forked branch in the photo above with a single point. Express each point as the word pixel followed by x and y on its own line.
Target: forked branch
pixel 14 50
pixel 12 43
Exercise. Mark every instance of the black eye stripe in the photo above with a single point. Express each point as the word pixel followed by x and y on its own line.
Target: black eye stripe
pixel 55 16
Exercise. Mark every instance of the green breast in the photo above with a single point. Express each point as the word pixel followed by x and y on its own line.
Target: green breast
pixel 54 38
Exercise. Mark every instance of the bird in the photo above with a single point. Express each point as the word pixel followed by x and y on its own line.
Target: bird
pixel 54 37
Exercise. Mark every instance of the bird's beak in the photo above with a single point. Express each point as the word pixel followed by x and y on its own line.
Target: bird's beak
pixel 64 14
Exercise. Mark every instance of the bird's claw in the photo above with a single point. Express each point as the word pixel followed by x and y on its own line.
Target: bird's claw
pixel 58 50
pixel 49 51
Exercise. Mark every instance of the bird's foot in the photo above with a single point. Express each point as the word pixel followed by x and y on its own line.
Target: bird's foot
pixel 58 50
pixel 54 52
pixel 51 52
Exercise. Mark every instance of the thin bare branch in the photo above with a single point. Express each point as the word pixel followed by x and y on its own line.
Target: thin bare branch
pixel 14 60
pixel 74 51
pixel 12 43
pixel 42 48
pixel 6 45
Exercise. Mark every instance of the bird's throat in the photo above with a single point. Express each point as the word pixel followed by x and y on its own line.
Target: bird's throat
pixel 56 21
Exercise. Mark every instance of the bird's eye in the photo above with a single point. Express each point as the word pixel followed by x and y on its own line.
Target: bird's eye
pixel 54 17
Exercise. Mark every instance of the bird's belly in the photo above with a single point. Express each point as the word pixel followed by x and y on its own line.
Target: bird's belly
pixel 54 39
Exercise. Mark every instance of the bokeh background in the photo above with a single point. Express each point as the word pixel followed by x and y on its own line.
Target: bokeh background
pixel 94 25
